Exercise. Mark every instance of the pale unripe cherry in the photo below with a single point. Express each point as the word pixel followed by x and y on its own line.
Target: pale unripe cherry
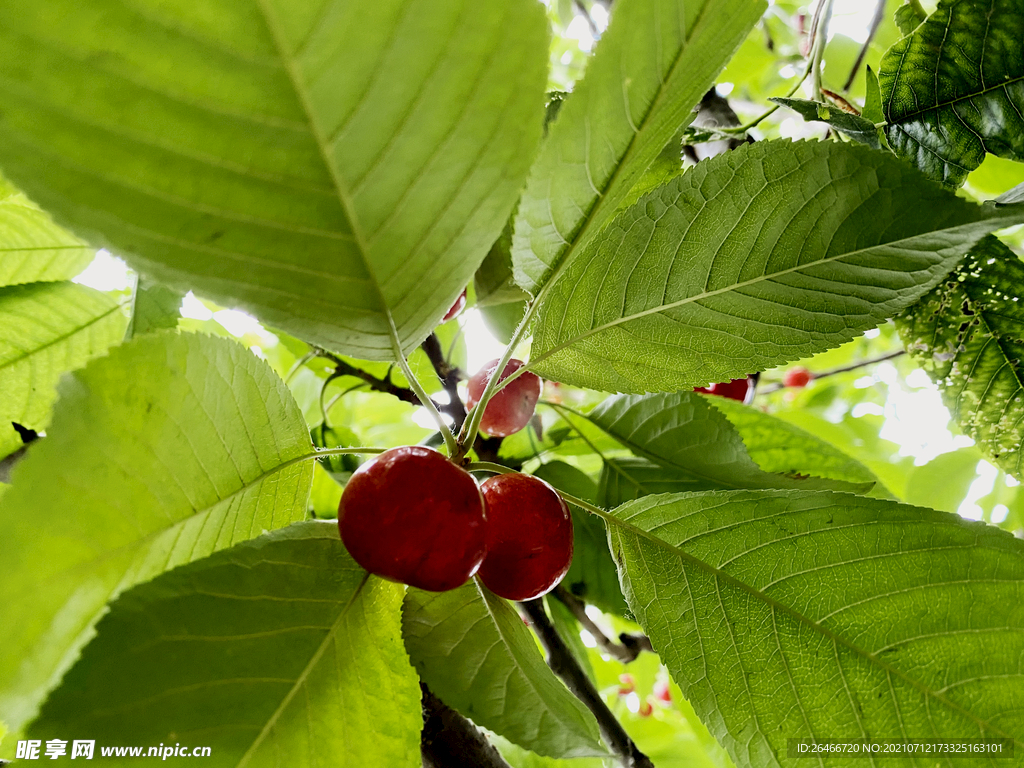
pixel 512 408
pixel 412 516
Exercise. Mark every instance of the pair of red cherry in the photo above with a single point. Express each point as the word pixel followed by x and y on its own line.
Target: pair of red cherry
pixel 414 517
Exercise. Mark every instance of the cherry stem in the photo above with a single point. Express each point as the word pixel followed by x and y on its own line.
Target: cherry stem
pixel 449 439
pixel 489 466
pixel 564 664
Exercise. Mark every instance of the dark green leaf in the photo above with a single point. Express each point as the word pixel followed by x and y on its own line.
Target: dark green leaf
pixel 855 127
pixel 279 646
pixel 627 478
pixel 170 448
pixel 154 307
pixel 762 255
pixel 909 16
pixel 954 88
pixel 786 614
pixel 475 653
pixel 651 68
pixel 339 169
pixel 968 334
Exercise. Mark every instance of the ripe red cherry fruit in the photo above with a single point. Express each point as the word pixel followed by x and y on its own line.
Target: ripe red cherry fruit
pixel 529 537
pixel 457 307
pixel 512 408
pixel 798 377
pixel 412 516
pixel 737 389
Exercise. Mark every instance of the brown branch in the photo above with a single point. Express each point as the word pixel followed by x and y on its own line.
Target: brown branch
pixel 386 385
pixel 564 664
pixel 629 645
pixel 449 740
pixel 835 371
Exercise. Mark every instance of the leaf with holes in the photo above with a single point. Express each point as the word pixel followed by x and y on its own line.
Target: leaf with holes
pixel 281 645
pixel 954 88
pixel 47 329
pixel 337 168
pixel 798 615
pixel 33 248
pixel 762 255
pixel 968 334
pixel 170 448
pixel 650 70
pixel 475 653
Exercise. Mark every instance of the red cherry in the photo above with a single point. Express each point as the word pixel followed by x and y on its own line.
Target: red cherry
pixel 512 408
pixel 797 377
pixel 661 691
pixel 457 307
pixel 737 389
pixel 626 684
pixel 529 537
pixel 646 708
pixel 412 516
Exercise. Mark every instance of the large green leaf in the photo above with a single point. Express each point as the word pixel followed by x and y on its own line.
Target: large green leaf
pixel 762 255
pixel 33 248
pixel 788 614
pixel 338 168
pixel 684 432
pixel 777 446
pixel 592 576
pixel 170 448
pixel 968 334
pixel 475 653
pixel 279 646
pixel 626 478
pixel 45 330
pixel 650 70
pixel 954 88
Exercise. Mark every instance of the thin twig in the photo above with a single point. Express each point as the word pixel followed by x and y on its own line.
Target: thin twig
pixel 626 651
pixel 564 664
pixel 835 371
pixel 876 22
pixel 581 10
pixel 449 740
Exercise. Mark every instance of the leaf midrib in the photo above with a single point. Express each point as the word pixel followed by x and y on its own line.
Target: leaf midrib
pixel 301 680
pixel 799 617
pixel 909 116
pixel 753 281
pixel 57 340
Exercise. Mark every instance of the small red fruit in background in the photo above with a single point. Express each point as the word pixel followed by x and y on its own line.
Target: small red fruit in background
pixel 737 389
pixel 512 408
pixel 457 307
pixel 529 537
pixel 797 376
pixel 646 708
pixel 626 684
pixel 412 516
pixel 661 691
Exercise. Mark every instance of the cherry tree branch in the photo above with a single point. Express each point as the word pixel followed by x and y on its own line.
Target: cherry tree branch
pixel 564 664
pixel 843 369
pixel 449 740
pixel 630 645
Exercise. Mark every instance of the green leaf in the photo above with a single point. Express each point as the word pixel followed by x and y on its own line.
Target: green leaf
pixel 279 646
pixel 776 446
pixel 475 653
pixel 968 334
pixel 786 614
pixel 45 330
pixel 33 248
pixel 683 431
pixel 154 307
pixel 762 255
pixel 854 126
pixel 954 89
pixel 592 577
pixel 651 68
pixel 909 16
pixel 170 448
pixel 627 478
pixel 943 483
pixel 873 99
pixel 338 169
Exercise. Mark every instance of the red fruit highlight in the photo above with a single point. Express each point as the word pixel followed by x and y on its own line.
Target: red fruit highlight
pixel 797 376
pixel 412 516
pixel 529 537
pixel 626 684
pixel 458 306
pixel 737 389
pixel 512 408
pixel 661 691
pixel 646 708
